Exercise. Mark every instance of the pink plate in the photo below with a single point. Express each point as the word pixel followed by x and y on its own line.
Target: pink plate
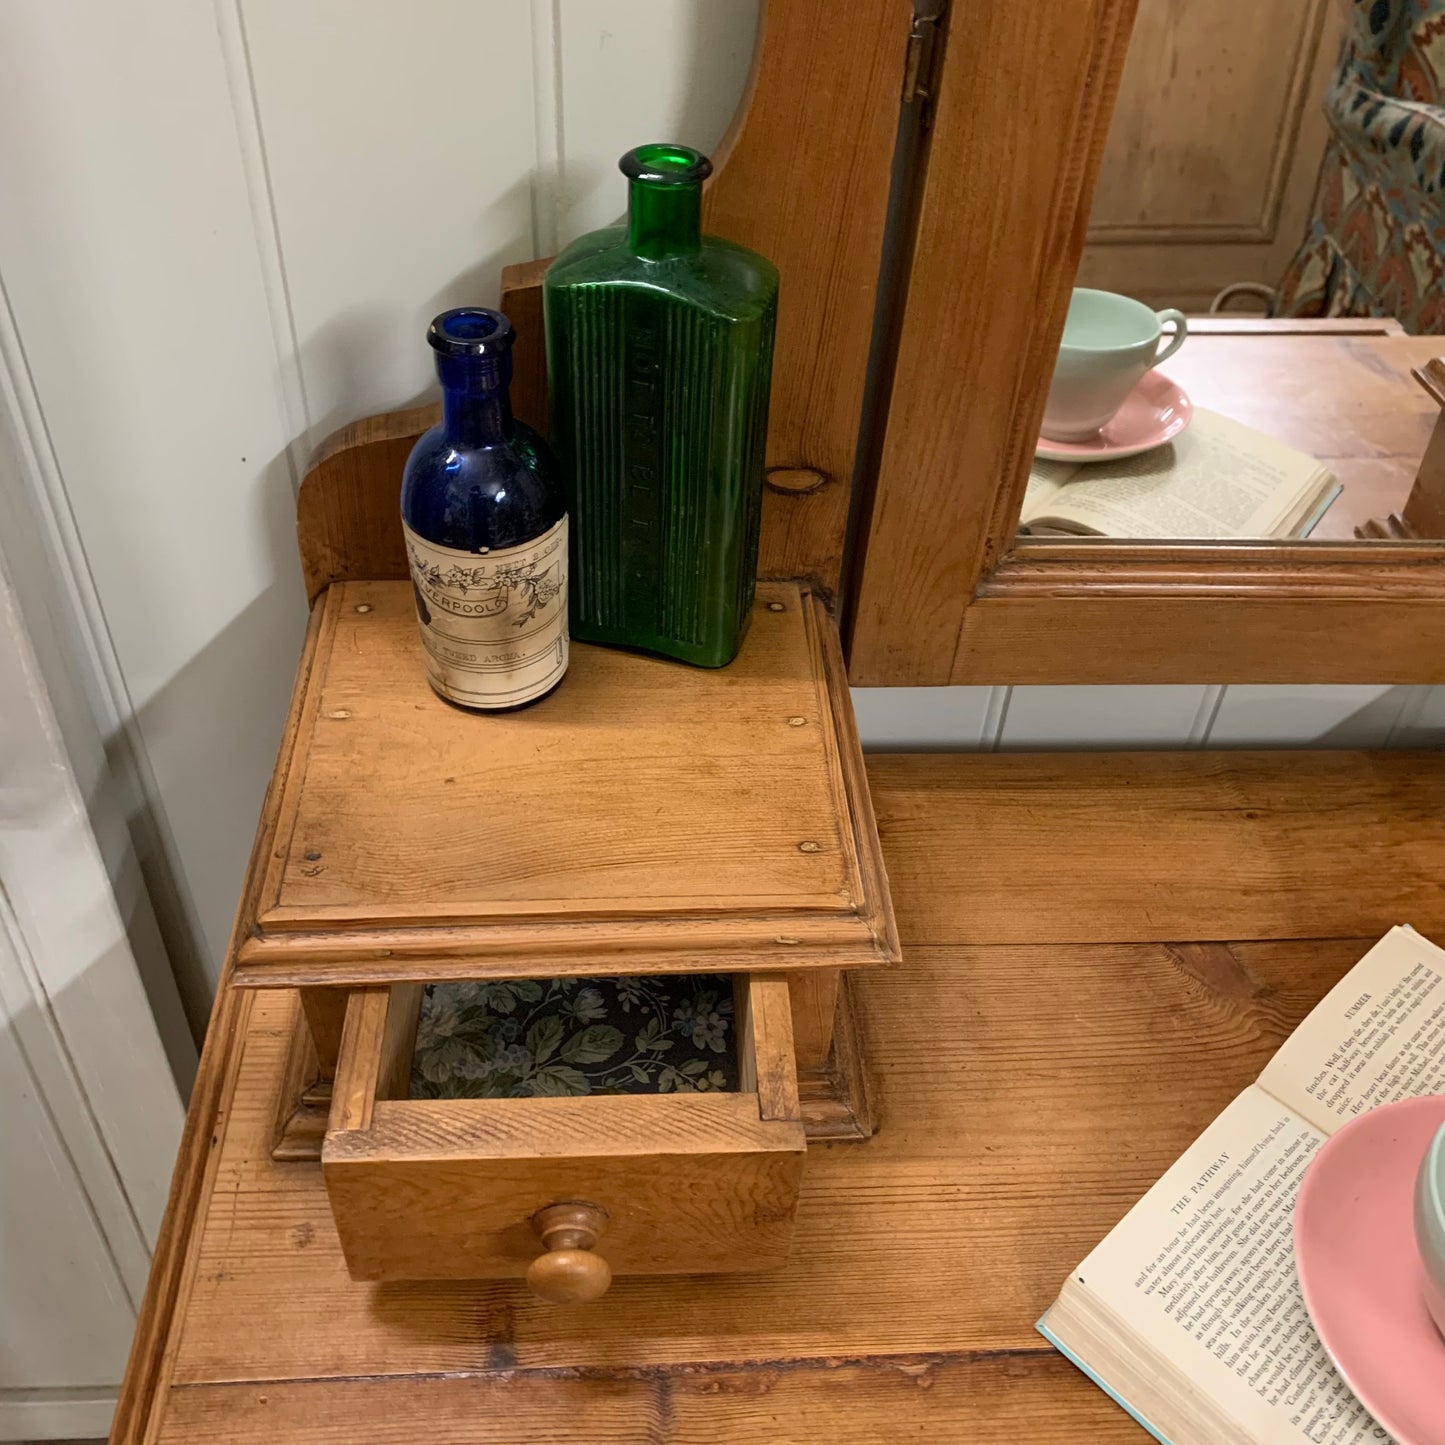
pixel 1153 413
pixel 1354 1244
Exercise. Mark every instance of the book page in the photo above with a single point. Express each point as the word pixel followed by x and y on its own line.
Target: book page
pixel 1045 480
pixel 1202 1271
pixel 1219 478
pixel 1377 1036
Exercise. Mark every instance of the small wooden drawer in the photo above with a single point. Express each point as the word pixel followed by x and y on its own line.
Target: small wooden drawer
pixel 455 1188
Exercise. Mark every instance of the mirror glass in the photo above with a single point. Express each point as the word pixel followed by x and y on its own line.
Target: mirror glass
pixel 1249 348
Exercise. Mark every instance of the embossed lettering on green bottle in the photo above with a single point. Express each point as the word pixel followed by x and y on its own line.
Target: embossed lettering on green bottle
pixel 659 359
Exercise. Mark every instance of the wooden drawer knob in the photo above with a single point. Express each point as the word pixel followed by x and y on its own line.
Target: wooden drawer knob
pixel 568 1272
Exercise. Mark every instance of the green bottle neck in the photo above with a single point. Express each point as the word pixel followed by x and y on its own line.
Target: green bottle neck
pixel 664 218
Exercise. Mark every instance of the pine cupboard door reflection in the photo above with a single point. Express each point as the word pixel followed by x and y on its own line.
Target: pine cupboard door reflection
pixel 1214 149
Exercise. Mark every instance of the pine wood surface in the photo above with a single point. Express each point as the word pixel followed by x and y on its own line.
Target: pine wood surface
pixel 998 1165
pixel 1184 208
pixel 418 841
pixel 1031 1400
pixel 1349 400
pixel 940 591
pixel 1163 846
pixel 995 251
pixel 441 1188
pixel 1029 1093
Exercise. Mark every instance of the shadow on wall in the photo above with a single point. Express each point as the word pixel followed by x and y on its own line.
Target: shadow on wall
pixel 690 63
pixel 211 734
pixel 376 343
pixel 1045 718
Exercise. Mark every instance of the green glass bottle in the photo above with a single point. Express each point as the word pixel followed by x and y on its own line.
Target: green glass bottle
pixel 659 359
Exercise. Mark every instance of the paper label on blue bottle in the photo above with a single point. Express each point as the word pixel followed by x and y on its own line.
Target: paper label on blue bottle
pixel 493 624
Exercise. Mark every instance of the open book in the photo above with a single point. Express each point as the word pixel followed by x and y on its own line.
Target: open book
pixel 1190 1312
pixel 1219 478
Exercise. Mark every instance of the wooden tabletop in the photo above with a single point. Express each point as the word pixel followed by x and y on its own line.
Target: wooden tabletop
pixel 1341 391
pixel 1099 951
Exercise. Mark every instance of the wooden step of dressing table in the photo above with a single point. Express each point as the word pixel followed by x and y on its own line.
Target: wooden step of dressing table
pixel 646 819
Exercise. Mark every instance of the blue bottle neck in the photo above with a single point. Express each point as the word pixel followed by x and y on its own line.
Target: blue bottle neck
pixel 476 406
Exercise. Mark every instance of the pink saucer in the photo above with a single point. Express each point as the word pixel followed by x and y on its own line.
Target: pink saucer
pixel 1155 412
pixel 1359 1270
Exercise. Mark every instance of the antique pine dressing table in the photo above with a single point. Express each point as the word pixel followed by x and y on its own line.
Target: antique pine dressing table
pixel 1097 951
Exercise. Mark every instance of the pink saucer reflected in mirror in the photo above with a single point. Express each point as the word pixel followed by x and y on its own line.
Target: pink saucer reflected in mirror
pixel 1155 412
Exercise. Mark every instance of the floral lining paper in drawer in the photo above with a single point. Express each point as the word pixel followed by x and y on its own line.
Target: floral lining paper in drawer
pixel 525 1038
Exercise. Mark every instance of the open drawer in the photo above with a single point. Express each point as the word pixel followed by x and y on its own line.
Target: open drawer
pixel 690 1183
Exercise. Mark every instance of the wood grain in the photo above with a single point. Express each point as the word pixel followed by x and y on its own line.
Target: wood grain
pixel 348 510
pixel 1163 846
pixel 522 303
pixel 325 1010
pixel 815 1002
pixel 398 1040
pixel 944 593
pixel 1347 398
pixel 922 1256
pixel 803 177
pixel 988 290
pixel 766 1059
pixel 448 1188
pixel 1424 509
pixel 419 841
pixel 1135 637
pixel 945 1395
pixel 355 1087
pixel 1185 206
pixel 836 1092
pixel 963 1185
pixel 1105 611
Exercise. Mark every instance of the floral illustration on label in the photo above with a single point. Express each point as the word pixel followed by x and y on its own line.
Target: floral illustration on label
pixel 493 624
pixel 538 582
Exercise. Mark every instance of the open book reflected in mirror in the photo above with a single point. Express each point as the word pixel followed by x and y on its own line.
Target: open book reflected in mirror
pixel 1219 479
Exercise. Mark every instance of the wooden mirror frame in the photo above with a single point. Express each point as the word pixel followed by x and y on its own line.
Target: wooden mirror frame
pixel 942 592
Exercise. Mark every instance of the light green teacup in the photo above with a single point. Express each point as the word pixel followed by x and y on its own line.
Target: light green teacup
pixel 1110 341
pixel 1430 1226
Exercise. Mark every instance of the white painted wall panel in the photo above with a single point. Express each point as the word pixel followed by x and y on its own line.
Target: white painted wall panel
pixel 631 71
pixel 1086 717
pixel 1422 720
pixel 399 147
pixel 65 1319
pixel 1322 717
pixel 928 719
pixel 142 340
pixel 68 977
pixel 968 718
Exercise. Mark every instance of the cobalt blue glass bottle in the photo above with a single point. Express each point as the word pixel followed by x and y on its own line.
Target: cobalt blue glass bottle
pixel 485 518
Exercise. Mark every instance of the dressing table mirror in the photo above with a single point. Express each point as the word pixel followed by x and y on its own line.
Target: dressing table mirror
pixel 1153 208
